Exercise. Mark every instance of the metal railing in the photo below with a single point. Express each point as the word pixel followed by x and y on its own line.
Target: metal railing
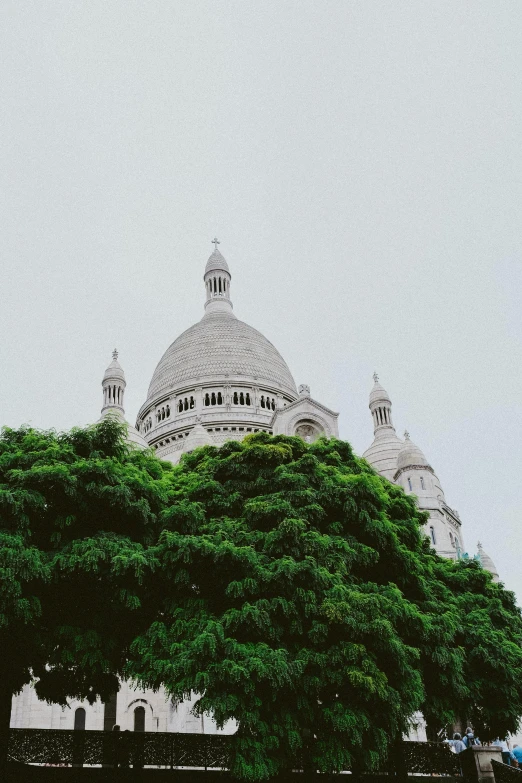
pixel 53 747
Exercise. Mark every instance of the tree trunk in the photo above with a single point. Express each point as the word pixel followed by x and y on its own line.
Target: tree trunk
pixel 6 698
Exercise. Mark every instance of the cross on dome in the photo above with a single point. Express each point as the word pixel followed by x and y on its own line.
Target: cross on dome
pixel 375 377
pixel 406 434
pixel 115 354
pixel 216 242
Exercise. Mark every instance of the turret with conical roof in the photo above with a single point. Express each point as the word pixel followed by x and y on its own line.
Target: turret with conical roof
pixel 113 385
pixel 382 454
pixel 415 474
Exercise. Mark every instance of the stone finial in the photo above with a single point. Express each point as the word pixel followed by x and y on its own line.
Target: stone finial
pixel 479 545
pixel 115 354
pixel 304 390
pixel 406 434
pixel 216 242
pixel 375 377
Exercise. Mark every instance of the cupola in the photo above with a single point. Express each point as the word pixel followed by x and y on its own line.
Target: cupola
pixel 487 563
pixel 113 385
pixel 410 455
pixel 217 279
pixel 382 454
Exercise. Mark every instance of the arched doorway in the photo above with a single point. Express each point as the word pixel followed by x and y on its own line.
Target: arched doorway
pixel 139 719
pixel 79 719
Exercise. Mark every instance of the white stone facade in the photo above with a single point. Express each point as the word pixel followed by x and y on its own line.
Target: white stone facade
pixel 221 380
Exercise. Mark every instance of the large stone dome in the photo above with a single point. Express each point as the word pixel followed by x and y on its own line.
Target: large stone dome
pixel 220 347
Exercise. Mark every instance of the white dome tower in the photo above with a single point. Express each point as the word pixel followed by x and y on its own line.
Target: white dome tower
pixel 113 385
pixel 220 379
pixel 416 476
pixel 487 563
pixel 382 454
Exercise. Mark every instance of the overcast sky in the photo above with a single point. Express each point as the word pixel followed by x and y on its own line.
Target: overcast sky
pixel 360 163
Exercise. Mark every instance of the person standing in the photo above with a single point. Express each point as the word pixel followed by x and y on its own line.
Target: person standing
pixel 456 743
pixel 469 738
pixel 507 755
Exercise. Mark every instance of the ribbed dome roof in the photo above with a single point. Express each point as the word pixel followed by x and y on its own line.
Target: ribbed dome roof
pixel 409 455
pixel 382 454
pixel 216 262
pixel 220 346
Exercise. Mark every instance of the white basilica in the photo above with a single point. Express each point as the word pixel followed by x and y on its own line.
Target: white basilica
pixel 220 380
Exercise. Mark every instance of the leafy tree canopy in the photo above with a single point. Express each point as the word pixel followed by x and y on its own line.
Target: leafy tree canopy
pixel 298 594
pixel 78 512
pixel 286 583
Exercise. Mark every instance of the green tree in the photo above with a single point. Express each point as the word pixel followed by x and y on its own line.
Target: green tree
pixel 477 677
pixel 78 512
pixel 298 594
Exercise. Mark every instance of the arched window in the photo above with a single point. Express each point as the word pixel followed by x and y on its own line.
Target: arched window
pixel 219 398
pixel 79 719
pixel 213 398
pixel 236 398
pixel 273 404
pixel 247 398
pixel 241 399
pixel 207 399
pixel 262 401
pixel 220 286
pixel 409 484
pixel 432 535
pixel 452 541
pixel 422 482
pixel 180 406
pixel 168 410
pixel 139 719
pixel 192 403
pixel 185 404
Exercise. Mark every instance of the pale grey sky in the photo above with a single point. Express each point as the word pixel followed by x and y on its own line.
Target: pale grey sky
pixel 360 163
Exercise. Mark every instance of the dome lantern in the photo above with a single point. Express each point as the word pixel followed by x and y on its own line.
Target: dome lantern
pixel 380 406
pixel 217 279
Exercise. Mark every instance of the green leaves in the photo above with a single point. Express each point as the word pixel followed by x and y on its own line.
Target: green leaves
pixel 287 584
pixel 77 512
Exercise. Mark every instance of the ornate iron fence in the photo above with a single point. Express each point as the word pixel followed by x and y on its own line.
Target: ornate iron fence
pixel 204 751
pixel 95 748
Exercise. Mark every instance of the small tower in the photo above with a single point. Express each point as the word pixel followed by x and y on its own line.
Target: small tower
pixel 487 563
pixel 382 454
pixel 217 279
pixel 416 476
pixel 198 437
pixel 113 385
